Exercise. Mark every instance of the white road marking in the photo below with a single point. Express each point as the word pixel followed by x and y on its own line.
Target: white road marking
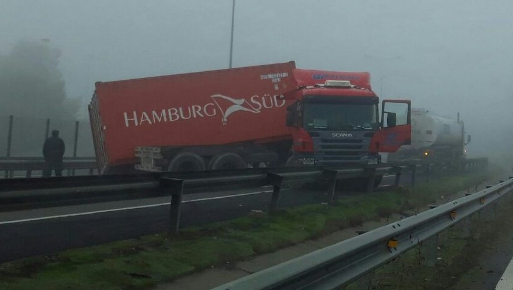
pixel 128 208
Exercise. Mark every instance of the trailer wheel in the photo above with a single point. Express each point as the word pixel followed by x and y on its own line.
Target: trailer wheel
pixel 227 161
pixel 186 161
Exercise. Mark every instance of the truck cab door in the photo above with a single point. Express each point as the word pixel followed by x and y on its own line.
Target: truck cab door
pixel 395 127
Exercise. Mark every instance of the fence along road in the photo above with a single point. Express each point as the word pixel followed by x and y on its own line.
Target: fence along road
pixel 338 265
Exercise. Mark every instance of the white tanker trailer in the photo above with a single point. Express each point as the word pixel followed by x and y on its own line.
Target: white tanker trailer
pixel 433 137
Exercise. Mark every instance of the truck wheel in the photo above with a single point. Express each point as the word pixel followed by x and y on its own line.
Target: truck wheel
pixel 186 161
pixel 227 161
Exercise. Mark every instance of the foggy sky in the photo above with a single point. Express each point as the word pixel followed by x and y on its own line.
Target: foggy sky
pixel 446 56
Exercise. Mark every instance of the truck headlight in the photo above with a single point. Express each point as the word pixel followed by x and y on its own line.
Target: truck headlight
pixel 372 160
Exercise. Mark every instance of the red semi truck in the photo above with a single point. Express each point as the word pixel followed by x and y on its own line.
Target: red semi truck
pixel 270 115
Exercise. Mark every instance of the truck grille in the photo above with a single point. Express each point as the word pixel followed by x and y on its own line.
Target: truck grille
pixel 341 150
pixel 341 147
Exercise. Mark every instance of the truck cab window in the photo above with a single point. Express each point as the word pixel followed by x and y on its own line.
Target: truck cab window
pixel 340 116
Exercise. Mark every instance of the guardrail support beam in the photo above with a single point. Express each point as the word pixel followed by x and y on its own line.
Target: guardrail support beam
pixel 398 172
pixel 9 142
pixel 176 187
pixel 413 169
pixel 276 181
pixel 371 173
pixel 332 183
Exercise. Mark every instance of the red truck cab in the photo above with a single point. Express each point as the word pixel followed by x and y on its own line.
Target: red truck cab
pixel 335 120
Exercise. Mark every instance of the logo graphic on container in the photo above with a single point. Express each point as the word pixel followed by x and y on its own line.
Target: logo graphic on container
pixel 220 104
pixel 228 106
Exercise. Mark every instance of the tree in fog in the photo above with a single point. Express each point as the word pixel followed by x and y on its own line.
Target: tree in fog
pixel 32 85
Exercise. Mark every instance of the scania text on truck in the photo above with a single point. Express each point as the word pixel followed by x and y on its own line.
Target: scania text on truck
pixel 268 115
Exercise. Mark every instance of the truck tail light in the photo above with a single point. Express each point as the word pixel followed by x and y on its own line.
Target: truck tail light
pixel 303 142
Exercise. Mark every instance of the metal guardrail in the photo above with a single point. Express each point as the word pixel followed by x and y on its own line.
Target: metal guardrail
pixel 31 164
pixel 340 264
pixel 23 193
pixel 42 159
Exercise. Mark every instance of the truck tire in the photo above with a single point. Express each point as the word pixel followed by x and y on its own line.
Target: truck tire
pixel 227 161
pixel 186 161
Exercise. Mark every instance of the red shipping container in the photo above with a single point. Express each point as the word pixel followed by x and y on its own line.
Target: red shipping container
pixel 204 108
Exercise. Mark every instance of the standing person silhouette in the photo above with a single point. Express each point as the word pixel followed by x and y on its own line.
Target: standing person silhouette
pixel 53 151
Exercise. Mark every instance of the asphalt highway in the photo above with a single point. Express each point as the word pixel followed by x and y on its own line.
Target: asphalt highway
pixel 44 231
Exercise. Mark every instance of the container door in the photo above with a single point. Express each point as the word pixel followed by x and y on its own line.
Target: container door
pixel 98 136
pixel 395 127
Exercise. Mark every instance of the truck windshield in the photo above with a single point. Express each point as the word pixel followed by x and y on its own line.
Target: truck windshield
pixel 340 116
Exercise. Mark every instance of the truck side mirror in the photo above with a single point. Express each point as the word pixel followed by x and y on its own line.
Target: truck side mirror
pixel 391 120
pixel 290 119
pixel 469 137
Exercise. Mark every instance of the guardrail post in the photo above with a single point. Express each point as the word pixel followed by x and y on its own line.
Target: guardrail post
pixel 413 169
pixel 428 172
pixel 176 188
pixel 371 173
pixel 331 175
pixel 276 181
pixel 9 141
pixel 75 144
pixel 29 173
pixel 398 172
pixel 431 251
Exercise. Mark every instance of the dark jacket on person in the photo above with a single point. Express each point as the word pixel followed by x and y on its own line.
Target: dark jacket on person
pixel 54 148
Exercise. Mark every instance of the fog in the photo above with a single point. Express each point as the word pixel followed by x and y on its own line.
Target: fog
pixel 446 56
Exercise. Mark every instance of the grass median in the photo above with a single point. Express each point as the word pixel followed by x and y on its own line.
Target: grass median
pixel 144 262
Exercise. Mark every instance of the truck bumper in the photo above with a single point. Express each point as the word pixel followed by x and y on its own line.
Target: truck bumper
pixel 311 160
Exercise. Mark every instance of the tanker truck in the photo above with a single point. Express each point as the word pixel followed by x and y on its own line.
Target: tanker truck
pixel 269 115
pixel 433 138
